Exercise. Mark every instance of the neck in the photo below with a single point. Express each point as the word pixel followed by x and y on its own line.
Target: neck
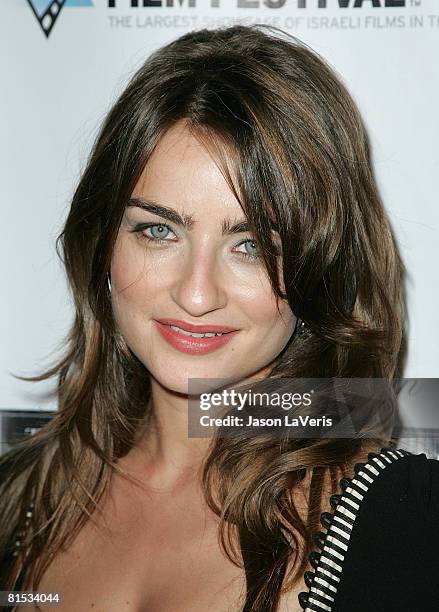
pixel 169 454
pixel 165 452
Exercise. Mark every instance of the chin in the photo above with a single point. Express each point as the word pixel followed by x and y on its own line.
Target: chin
pixel 176 379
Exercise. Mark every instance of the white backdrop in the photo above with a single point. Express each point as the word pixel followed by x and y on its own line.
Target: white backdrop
pixel 56 90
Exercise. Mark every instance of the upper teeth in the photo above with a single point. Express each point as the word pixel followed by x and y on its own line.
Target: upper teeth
pixel 186 333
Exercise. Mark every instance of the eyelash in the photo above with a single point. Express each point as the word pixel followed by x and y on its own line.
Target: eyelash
pixel 139 229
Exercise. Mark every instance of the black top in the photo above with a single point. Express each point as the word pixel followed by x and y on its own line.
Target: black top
pixel 379 549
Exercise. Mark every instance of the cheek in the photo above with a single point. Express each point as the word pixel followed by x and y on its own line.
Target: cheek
pixel 264 308
pixel 130 281
pixel 134 276
pixel 127 264
pixel 135 269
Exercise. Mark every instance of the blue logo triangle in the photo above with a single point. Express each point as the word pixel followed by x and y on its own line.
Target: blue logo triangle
pixel 48 11
pixel 40 6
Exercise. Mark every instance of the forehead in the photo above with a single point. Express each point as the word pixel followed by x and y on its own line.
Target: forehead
pixel 181 171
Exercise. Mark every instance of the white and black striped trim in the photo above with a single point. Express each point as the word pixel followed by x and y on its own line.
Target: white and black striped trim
pixel 328 563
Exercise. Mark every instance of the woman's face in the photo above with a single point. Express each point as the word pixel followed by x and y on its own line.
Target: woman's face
pixel 198 274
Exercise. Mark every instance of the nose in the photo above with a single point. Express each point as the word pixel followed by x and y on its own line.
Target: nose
pixel 200 287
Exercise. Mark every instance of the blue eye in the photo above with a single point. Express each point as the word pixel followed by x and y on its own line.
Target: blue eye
pixel 158 234
pixel 254 252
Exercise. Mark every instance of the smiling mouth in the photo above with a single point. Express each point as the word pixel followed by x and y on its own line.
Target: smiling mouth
pixel 196 335
pixel 194 342
pixel 197 331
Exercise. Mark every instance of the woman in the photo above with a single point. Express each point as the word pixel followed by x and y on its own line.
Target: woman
pixel 229 191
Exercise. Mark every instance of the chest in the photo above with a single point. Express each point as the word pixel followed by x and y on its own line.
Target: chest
pixel 166 569
pixel 153 552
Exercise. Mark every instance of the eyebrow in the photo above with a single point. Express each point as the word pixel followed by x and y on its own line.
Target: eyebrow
pixel 184 220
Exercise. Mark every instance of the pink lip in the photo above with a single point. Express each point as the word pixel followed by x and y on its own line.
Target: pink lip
pixel 195 346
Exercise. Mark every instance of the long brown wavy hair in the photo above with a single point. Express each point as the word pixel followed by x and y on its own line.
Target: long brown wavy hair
pixel 292 146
